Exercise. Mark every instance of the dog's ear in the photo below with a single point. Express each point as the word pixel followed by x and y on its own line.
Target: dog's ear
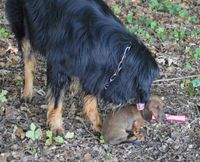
pixel 146 114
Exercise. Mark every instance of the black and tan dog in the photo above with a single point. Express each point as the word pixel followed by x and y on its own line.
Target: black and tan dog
pixel 81 38
pixel 118 125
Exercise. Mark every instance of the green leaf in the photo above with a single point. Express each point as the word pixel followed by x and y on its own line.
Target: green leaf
pixel 33 127
pixel 101 140
pixel 117 9
pixel 126 2
pixel 30 134
pixel 193 19
pixel 59 139
pixel 38 134
pixel 191 91
pixel 49 134
pixel 153 25
pixel 130 19
pixel 183 13
pixel 196 83
pixel 187 66
pixel 197 53
pixel 4 33
pixel 48 142
pixel 69 135
pixel 108 156
pixel 198 104
pixel 4 92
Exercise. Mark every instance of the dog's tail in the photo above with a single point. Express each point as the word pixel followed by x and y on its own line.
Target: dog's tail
pixel 15 16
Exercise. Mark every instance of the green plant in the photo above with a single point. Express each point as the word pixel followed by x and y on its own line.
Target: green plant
pixel 153 25
pixel 4 33
pixel 197 53
pixel 3 97
pixel 108 156
pixel 49 140
pixel 196 83
pixel 187 66
pixel 129 19
pixel 126 2
pixel 161 32
pixel 34 133
pixel 101 140
pixel 69 135
pixel 57 139
pixel 183 13
pixel 181 34
pixel 192 19
pixel 117 9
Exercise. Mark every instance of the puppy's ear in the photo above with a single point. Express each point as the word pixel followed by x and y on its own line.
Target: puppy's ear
pixel 146 114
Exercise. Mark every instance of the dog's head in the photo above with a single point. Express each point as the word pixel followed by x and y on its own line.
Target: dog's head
pixel 133 83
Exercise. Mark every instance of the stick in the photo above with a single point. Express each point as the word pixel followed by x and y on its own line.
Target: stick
pixel 179 78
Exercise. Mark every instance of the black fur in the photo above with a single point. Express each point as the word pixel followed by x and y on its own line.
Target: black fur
pixel 83 38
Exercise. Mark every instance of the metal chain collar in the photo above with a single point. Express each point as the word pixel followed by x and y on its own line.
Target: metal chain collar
pixel 119 68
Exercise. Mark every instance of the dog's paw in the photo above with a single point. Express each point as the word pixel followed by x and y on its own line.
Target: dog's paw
pixel 59 131
pixel 26 99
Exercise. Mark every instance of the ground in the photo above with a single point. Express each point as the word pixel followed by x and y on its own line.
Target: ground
pixel 172 33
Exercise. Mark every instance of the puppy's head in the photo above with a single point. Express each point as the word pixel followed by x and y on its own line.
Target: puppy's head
pixel 155 107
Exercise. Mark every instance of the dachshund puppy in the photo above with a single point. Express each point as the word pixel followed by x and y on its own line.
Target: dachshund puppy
pixel 118 125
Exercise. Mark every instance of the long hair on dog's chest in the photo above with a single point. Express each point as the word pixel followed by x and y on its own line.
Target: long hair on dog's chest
pixel 83 38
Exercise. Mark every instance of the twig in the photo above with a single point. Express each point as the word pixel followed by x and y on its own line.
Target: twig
pixel 179 78
pixel 80 120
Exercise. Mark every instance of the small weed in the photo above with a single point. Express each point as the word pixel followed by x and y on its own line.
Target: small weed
pixel 49 139
pixel 192 19
pixel 4 33
pixel 126 2
pixel 101 140
pixel 34 133
pixel 161 32
pixel 196 83
pixel 69 135
pixel 181 34
pixel 130 19
pixel 59 139
pixel 187 66
pixel 190 86
pixel 108 156
pixel 3 97
pixel 197 53
pixel 183 13
pixel 117 9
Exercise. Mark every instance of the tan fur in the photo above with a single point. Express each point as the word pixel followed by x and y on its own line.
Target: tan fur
pixel 29 68
pixel 54 117
pixel 130 119
pixel 90 109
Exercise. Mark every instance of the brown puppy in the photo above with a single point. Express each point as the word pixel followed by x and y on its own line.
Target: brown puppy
pixel 129 119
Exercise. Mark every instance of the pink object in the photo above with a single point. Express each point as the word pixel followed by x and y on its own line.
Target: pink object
pixel 178 118
pixel 140 106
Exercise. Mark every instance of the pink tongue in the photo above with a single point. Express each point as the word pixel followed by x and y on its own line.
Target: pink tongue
pixel 140 106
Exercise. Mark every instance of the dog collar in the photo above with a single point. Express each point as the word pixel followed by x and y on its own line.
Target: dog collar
pixel 119 68
pixel 140 106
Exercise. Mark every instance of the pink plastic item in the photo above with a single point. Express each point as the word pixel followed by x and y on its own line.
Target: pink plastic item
pixel 140 106
pixel 177 118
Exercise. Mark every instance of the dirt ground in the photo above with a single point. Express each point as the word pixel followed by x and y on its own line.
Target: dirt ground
pixel 168 141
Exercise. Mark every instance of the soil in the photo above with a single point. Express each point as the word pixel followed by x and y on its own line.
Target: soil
pixel 168 141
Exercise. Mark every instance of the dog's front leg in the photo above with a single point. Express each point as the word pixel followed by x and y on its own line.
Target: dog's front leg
pixel 90 109
pixel 57 81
